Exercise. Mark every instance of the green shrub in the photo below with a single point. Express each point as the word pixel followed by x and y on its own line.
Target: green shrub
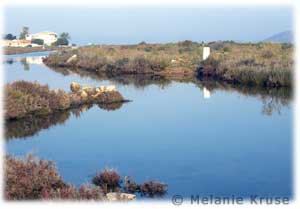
pixel 37 41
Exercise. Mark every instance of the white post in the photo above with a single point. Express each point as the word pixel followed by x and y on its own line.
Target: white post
pixel 206 52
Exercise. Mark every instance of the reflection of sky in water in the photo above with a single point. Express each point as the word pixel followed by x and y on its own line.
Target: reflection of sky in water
pixel 221 146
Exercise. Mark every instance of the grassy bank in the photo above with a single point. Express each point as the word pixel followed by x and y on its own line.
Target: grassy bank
pixel 173 58
pixel 33 179
pixel 22 50
pixel 260 64
pixel 26 99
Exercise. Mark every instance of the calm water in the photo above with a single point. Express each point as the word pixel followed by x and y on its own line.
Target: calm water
pixel 220 142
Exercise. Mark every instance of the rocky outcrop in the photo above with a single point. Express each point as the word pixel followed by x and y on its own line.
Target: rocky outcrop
pixel 115 196
pixel 90 94
pixel 75 87
pixel 73 58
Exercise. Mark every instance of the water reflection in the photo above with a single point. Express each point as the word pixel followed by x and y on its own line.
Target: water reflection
pixel 31 126
pixel 273 99
pixel 173 129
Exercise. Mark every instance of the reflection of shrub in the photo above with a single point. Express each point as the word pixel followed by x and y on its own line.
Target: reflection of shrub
pixel 110 107
pixel 30 126
pixel 108 179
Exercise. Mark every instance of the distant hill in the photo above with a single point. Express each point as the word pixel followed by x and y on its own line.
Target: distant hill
pixel 283 37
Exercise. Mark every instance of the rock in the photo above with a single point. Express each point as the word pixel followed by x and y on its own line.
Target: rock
pixel 84 94
pixel 102 88
pixel 107 97
pixel 110 88
pixel 75 87
pixel 72 58
pixel 89 90
pixel 114 196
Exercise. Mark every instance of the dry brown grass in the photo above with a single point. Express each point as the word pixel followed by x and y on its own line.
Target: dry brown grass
pixel 27 99
pixel 179 57
pixel 34 179
pixel 262 64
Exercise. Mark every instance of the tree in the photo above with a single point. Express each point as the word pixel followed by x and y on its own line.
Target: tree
pixel 63 39
pixel 10 36
pixel 24 32
pixel 37 41
pixel 65 35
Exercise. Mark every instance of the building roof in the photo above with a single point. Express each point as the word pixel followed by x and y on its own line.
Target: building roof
pixel 45 33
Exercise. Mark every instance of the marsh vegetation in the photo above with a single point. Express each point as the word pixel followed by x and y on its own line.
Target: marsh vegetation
pixel 259 64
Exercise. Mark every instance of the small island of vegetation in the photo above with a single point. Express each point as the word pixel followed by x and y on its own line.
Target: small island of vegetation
pixel 26 99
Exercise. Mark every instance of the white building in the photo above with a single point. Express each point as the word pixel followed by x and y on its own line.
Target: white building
pixel 16 43
pixel 48 37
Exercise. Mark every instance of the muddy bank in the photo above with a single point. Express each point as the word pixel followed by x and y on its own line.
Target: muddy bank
pixel 26 99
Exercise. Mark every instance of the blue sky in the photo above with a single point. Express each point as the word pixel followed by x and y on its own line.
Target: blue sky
pixel 117 25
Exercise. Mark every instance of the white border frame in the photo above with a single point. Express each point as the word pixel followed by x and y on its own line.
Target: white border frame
pixel 112 3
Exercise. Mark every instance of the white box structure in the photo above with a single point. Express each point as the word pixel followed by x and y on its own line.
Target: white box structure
pixel 206 52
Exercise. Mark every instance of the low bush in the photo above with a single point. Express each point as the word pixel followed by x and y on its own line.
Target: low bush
pixel 108 179
pixel 37 41
pixel 23 98
pixel 34 179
